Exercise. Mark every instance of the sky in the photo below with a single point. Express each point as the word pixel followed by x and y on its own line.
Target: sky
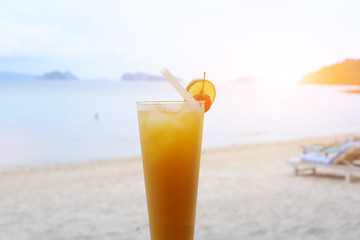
pixel 274 41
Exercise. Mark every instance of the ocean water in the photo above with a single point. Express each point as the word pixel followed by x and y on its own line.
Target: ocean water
pixel 53 122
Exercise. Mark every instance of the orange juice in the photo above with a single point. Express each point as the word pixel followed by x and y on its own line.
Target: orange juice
pixel 170 135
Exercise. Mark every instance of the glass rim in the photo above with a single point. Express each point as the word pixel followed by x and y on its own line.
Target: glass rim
pixel 167 102
pixel 170 106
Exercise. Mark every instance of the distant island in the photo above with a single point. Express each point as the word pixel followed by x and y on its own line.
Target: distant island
pixel 345 73
pixel 139 76
pixel 15 76
pixel 56 75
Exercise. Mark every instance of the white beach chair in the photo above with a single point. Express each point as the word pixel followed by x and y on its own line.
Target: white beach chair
pixel 346 159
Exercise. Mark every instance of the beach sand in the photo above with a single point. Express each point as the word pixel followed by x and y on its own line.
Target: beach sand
pixel 245 192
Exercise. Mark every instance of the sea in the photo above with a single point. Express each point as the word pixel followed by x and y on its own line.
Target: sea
pixel 59 122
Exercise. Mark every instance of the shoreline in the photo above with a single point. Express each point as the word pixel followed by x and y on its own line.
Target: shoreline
pixel 353 91
pixel 93 163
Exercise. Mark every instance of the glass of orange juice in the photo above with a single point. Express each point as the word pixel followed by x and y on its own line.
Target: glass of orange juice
pixel 171 136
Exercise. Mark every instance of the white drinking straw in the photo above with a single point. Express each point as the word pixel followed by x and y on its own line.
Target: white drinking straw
pixel 172 80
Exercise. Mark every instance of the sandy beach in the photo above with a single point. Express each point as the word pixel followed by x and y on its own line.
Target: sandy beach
pixel 245 192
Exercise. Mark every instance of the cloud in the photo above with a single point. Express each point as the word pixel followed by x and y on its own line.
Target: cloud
pixel 30 39
pixel 50 40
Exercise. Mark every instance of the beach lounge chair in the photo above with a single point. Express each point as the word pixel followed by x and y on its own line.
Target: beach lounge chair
pixel 329 148
pixel 346 159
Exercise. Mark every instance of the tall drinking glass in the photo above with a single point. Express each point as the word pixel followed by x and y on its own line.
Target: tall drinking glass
pixel 170 136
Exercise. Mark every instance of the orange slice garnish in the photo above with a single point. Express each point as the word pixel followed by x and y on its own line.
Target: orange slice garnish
pixel 202 90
